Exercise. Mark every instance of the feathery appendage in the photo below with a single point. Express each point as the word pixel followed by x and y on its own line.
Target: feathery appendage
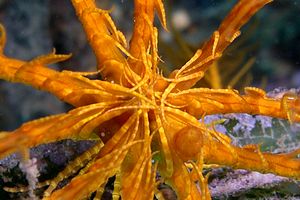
pixel 153 120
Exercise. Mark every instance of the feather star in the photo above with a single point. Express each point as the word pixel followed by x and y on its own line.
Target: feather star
pixel 153 120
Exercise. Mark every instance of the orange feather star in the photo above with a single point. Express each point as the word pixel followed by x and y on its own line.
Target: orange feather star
pixel 148 115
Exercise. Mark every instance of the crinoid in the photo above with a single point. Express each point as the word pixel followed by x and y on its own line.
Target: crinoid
pixel 153 121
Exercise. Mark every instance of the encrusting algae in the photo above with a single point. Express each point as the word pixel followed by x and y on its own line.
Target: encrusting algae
pixel 153 120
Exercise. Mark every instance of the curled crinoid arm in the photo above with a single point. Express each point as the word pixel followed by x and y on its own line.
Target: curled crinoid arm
pixel 226 33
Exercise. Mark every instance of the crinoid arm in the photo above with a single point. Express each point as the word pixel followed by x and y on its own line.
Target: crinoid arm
pixel 228 31
pixel 251 158
pixel 49 129
pixel 201 101
pixel 71 87
pixel 101 32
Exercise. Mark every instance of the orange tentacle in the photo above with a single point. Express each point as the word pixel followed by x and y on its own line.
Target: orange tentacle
pixel 100 31
pixel 206 101
pixel 253 159
pixel 227 32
